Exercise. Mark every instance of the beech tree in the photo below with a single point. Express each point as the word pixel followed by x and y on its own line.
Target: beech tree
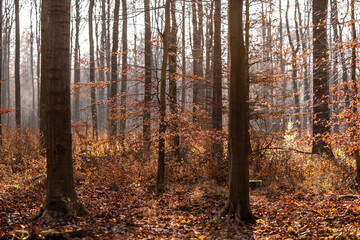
pixel 160 180
pixel 92 72
pixel 321 111
pixel 114 71
pixel 17 66
pixel 148 77
pixel 61 198
pixel 238 200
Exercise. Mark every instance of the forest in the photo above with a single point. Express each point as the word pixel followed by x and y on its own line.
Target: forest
pixel 179 119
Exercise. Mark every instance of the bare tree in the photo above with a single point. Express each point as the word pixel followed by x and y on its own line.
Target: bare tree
pixel 238 202
pixel 17 66
pixel 321 111
pixel 124 70
pixel 114 71
pixel 61 198
pixel 160 180
pixel 148 77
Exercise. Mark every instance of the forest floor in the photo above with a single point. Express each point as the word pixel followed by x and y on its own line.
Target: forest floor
pixel 183 212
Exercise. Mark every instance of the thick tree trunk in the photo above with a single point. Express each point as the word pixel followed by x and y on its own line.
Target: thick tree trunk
pixel 148 77
pixel 61 198
pixel 321 111
pixel 114 71
pixel 238 202
pixel 124 69
pixel 92 72
pixel 160 180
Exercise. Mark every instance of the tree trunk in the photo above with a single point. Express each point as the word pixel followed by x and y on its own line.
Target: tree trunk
pixel 183 87
pixel 238 202
pixel 61 198
pixel 148 77
pixel 17 66
pixel 114 71
pixel 160 180
pixel 77 71
pixel 92 72
pixel 321 111
pixel 1 67
pixel 173 76
pixel 124 69
pixel 32 65
pixel 334 18
pixel 198 91
pixel 217 88
pixel 294 74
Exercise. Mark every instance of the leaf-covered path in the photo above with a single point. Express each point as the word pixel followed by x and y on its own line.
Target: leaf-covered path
pixel 185 212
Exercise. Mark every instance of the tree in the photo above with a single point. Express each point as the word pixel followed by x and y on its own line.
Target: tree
pixel 217 67
pixel 17 66
pixel 321 111
pixel 148 73
pixel 173 76
pixel 238 200
pixel 77 72
pixel 114 70
pixel 92 72
pixel 197 52
pixel 1 66
pixel 160 180
pixel 61 198
pixel 124 69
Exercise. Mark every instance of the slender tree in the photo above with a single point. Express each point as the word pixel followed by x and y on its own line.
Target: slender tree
pixel 217 88
pixel 321 111
pixel 92 71
pixel 77 71
pixel 148 77
pixel 17 66
pixel 124 71
pixel 160 180
pixel 238 202
pixel 114 70
pixel 61 198
pixel 294 73
pixel 1 67
pixel 173 76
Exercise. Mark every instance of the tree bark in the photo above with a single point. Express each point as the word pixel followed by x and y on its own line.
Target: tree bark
pixel 238 200
pixel 160 180
pixel 77 71
pixel 148 87
pixel 173 76
pixel 1 67
pixel 61 198
pixel 124 69
pixel 321 111
pixel 114 71
pixel 92 72
pixel 217 71
pixel 17 66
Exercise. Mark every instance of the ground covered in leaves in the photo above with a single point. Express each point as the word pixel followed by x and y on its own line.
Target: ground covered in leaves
pixel 183 212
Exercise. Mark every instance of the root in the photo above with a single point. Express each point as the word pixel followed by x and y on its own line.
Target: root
pixel 241 216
